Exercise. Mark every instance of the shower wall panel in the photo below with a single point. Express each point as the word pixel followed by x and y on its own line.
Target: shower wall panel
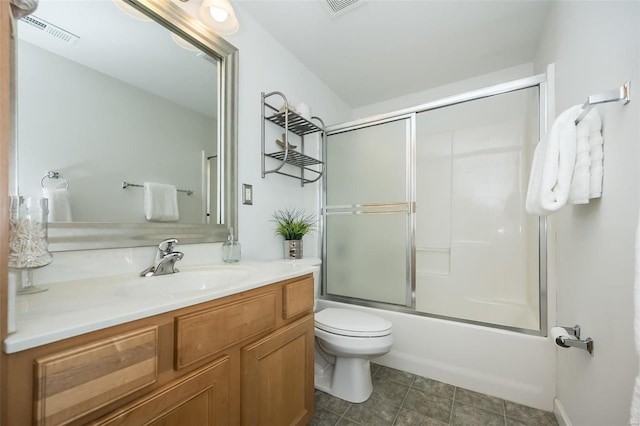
pixel 477 152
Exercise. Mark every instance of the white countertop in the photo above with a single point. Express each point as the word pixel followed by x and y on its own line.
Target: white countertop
pixel 73 308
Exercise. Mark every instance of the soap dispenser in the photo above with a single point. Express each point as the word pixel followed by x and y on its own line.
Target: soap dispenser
pixel 231 249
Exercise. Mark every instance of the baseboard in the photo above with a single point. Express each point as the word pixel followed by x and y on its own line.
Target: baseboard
pixel 561 415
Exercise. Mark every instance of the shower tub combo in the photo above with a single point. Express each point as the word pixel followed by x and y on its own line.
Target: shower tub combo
pixel 424 225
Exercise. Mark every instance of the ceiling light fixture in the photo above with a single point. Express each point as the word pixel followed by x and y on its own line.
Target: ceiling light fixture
pixel 219 16
pixel 184 43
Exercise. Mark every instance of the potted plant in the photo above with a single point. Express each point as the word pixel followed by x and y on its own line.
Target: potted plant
pixel 293 224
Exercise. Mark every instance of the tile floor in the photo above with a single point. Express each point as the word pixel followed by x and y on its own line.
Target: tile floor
pixel 401 398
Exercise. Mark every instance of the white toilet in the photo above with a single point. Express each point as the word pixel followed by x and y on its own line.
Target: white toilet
pixel 346 340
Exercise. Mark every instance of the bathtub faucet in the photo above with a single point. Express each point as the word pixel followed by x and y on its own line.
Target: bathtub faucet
pixel 166 259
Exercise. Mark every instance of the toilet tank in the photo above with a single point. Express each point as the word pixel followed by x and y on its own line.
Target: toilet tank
pixel 317 279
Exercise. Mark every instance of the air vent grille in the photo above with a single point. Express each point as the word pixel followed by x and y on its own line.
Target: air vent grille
pixel 50 29
pixel 207 58
pixel 338 5
pixel 336 8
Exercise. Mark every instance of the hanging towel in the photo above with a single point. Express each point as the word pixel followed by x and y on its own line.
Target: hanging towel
pixel 553 164
pixel 597 166
pixel 21 8
pixel 634 417
pixel 587 131
pixel 59 203
pixel 160 202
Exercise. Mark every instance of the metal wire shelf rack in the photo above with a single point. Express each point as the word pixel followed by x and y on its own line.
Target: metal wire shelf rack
pixel 291 122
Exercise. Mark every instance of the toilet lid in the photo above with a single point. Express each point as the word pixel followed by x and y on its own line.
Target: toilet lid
pixel 347 322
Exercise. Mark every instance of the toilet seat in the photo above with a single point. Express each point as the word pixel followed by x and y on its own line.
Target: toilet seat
pixel 347 322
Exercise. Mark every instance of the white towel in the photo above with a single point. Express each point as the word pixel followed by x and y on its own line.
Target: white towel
pixel 587 131
pixel 160 202
pixel 581 180
pixel 553 164
pixel 21 8
pixel 634 417
pixel 597 167
pixel 59 203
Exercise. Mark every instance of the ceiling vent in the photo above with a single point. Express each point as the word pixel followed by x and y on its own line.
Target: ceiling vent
pixel 337 8
pixel 207 58
pixel 50 29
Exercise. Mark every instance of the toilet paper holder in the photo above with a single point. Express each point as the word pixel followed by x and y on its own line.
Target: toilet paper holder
pixel 568 341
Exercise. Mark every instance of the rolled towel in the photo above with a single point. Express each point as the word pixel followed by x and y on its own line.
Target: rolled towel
pixel 160 202
pixel 553 164
pixel 581 180
pixel 597 164
pixel 59 203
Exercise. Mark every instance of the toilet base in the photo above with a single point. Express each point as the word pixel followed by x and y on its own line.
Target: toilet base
pixel 348 379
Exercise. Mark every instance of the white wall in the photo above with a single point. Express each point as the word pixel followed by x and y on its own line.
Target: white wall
pixel 418 98
pixel 595 46
pixel 98 131
pixel 266 66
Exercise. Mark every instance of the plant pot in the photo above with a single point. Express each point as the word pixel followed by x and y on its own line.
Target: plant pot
pixel 293 249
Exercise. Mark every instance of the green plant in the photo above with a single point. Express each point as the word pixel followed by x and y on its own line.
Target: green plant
pixel 293 224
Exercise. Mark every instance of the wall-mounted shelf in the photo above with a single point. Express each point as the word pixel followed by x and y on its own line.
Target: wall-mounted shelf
pixel 297 124
pixel 291 122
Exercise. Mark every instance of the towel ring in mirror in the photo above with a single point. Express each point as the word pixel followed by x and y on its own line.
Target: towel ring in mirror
pixel 54 175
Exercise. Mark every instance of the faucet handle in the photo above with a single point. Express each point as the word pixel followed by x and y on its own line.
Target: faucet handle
pixel 167 245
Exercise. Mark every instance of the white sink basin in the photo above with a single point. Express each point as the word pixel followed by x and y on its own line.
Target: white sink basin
pixel 208 278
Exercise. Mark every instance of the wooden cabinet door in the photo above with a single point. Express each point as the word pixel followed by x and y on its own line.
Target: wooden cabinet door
pixel 73 383
pixel 200 398
pixel 277 381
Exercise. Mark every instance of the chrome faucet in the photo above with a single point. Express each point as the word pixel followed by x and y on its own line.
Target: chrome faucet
pixel 165 261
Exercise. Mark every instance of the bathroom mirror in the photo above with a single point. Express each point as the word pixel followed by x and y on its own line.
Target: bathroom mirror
pixel 134 91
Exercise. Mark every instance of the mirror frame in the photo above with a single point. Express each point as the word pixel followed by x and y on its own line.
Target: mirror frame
pixel 88 235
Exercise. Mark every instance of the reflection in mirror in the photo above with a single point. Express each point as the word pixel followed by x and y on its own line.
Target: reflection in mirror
pixel 103 99
pixel 118 100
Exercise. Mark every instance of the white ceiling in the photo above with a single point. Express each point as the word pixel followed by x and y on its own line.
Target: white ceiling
pixel 389 48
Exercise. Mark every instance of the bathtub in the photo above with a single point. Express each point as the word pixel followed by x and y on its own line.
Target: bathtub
pixel 505 364
pixel 502 312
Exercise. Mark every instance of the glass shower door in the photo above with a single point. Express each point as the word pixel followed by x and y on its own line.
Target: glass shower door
pixel 367 214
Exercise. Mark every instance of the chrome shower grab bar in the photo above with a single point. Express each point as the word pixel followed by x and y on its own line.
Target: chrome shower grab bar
pixel 54 175
pixel 621 94
pixel 126 184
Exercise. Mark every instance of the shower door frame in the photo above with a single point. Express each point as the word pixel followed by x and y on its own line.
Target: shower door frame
pixel 406 207
pixel 537 81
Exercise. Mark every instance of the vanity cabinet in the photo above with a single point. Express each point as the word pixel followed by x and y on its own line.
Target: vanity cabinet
pixel 200 398
pixel 242 359
pixel 276 372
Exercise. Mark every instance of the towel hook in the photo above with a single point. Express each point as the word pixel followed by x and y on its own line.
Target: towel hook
pixel 54 175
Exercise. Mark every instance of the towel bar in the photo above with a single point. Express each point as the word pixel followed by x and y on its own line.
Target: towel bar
pixel 126 184
pixel 621 94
